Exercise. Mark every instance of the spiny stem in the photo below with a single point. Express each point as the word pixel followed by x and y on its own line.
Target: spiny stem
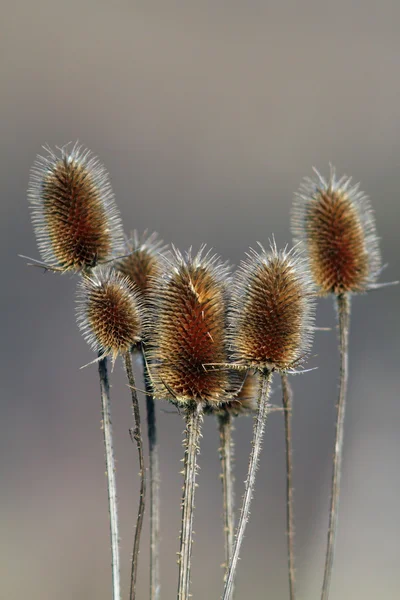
pixel 136 436
pixel 194 418
pixel 111 484
pixel 343 305
pixel 258 432
pixel 226 454
pixel 287 401
pixel 154 474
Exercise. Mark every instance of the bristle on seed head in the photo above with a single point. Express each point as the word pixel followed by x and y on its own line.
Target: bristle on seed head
pixel 272 311
pixel 187 331
pixel 75 218
pixel 333 223
pixel 142 261
pixel 109 312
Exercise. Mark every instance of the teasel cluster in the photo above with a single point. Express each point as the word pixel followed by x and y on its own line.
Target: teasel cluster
pixel 333 223
pixel 187 332
pixel 271 328
pixel 210 343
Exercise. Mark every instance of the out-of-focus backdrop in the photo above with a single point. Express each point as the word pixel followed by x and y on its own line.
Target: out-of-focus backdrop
pixel 207 116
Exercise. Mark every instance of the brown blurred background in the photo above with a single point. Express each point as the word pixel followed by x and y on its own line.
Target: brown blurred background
pixel 207 115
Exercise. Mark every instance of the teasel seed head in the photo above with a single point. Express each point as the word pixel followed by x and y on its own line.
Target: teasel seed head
pixel 333 223
pixel 272 311
pixel 188 329
pixel 244 402
pixel 109 312
pixel 142 261
pixel 76 222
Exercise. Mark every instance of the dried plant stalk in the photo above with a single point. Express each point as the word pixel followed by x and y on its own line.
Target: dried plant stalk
pixel 111 483
pixel 287 401
pixel 226 453
pixel 142 264
pixel 136 435
pixel 154 489
pixel 258 433
pixel 343 304
pixel 194 418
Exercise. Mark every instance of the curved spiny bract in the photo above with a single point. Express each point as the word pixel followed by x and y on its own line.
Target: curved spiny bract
pixel 76 221
pixel 187 332
pixel 271 311
pixel 109 312
pixel 142 260
pixel 334 224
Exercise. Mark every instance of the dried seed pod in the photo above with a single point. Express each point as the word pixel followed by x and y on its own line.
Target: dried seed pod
pixel 187 329
pixel 334 224
pixel 109 312
pixel 142 262
pixel 271 311
pixel 76 222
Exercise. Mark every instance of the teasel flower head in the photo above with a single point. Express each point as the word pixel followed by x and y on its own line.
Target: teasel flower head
pixel 333 223
pixel 272 311
pixel 142 261
pixel 109 312
pixel 243 402
pixel 76 221
pixel 187 329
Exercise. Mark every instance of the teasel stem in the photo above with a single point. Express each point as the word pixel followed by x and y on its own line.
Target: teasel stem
pixel 226 455
pixel 258 432
pixel 111 483
pixel 154 486
pixel 194 418
pixel 287 401
pixel 343 307
pixel 136 436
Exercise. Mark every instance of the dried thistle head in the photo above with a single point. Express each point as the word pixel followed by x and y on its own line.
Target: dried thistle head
pixel 109 312
pixel 334 224
pixel 272 311
pixel 188 326
pixel 75 218
pixel 142 260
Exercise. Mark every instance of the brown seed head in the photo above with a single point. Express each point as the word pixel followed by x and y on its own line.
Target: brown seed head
pixel 244 402
pixel 75 218
pixel 271 311
pixel 143 261
pixel 188 329
pixel 333 222
pixel 109 312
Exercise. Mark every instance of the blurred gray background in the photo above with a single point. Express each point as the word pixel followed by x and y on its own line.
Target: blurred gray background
pixel 207 116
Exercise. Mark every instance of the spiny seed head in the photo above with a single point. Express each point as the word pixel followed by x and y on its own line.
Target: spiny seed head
pixel 187 331
pixel 109 312
pixel 333 222
pixel 142 260
pixel 75 218
pixel 243 403
pixel 271 311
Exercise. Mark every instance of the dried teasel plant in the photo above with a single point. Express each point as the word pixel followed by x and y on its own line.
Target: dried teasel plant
pixel 75 219
pixel 333 223
pixel 141 263
pixel 271 330
pixel 109 314
pixel 243 403
pixel 187 330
